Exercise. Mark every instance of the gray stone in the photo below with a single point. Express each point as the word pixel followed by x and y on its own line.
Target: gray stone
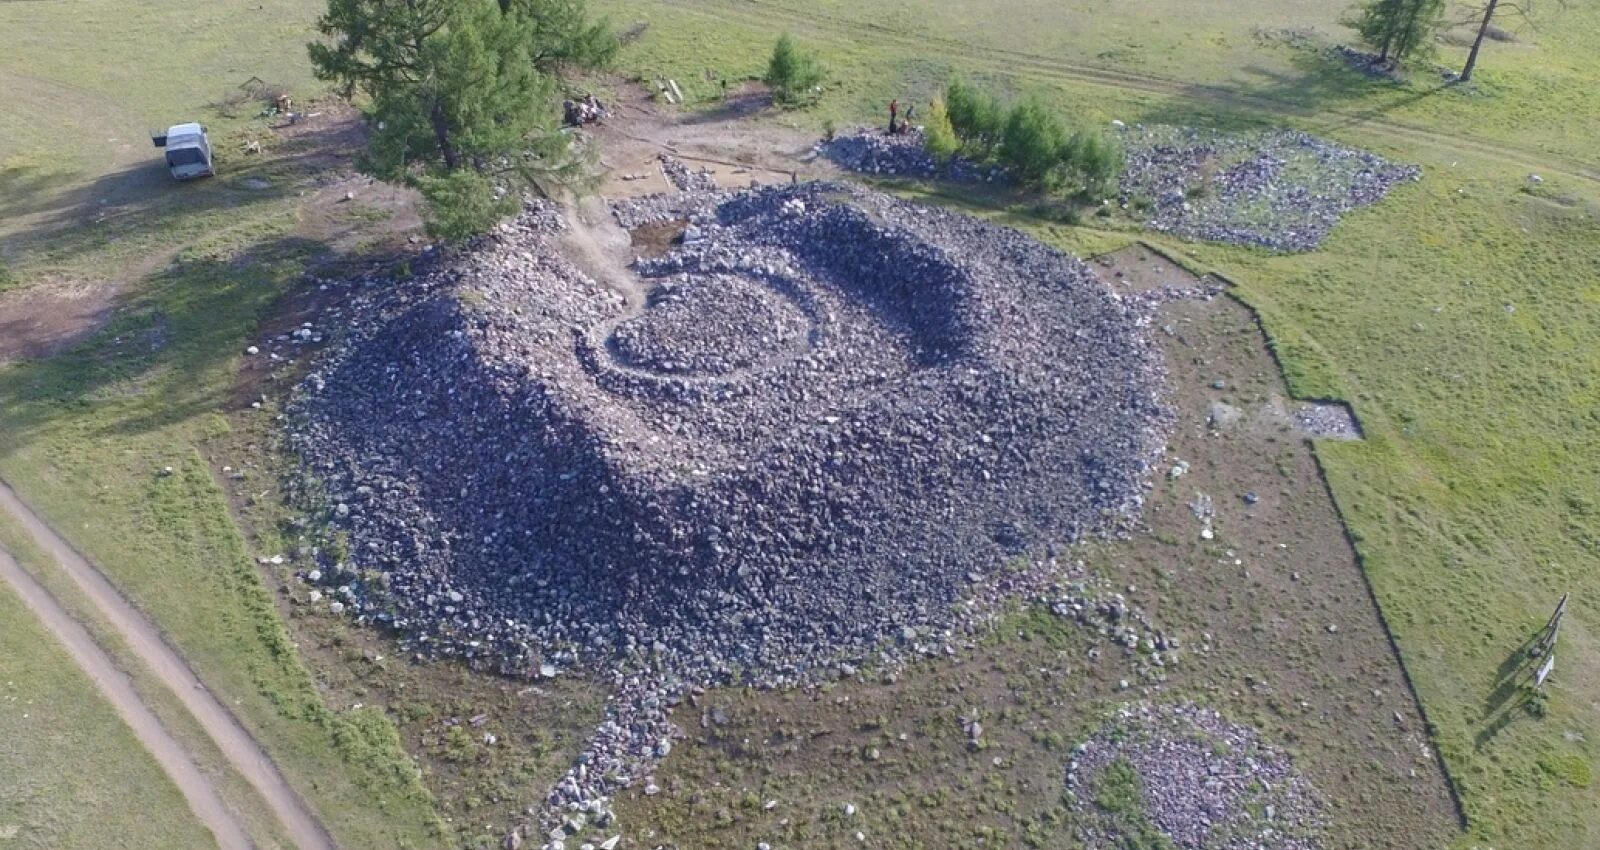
pixel 1223 416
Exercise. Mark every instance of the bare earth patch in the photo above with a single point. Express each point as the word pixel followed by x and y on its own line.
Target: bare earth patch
pixel 39 321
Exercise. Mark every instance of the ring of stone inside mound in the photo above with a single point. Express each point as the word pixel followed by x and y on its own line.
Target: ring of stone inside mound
pixel 600 353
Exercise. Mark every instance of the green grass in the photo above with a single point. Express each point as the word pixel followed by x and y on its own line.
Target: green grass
pixel 88 80
pixel 1471 501
pixel 83 197
pixel 1119 797
pixel 71 773
pixel 1533 94
pixel 1475 501
pixel 251 810
pixel 84 435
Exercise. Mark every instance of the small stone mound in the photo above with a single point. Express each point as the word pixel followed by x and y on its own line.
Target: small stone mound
pixel 1282 190
pixel 1327 420
pixel 874 152
pixel 1199 781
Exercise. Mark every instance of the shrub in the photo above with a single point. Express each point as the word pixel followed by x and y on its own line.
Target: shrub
pixel 1033 144
pixel 1095 158
pixel 939 136
pixel 976 117
pixel 793 75
pixel 463 202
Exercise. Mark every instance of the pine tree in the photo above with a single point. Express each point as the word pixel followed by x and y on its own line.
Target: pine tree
pixel 457 108
pixel 1398 28
pixel 563 34
pixel 939 137
pixel 977 117
pixel 1096 160
pixel 1419 20
pixel 792 74
pixel 1033 143
pixel 1376 25
pixel 1527 12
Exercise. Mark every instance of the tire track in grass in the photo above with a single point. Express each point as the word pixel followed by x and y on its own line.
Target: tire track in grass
pixel 1021 63
pixel 145 641
pixel 117 688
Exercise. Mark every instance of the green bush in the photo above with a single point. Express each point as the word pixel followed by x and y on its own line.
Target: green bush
pixel 462 203
pixel 793 75
pixel 939 136
pixel 1096 160
pixel 457 104
pixel 1033 144
pixel 1029 141
pixel 976 117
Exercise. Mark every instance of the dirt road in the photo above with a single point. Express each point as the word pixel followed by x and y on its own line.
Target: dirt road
pixel 144 640
pixel 118 690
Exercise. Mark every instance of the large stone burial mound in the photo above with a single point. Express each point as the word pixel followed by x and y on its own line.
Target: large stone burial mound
pixel 833 418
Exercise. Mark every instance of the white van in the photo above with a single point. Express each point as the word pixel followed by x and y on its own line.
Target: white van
pixel 188 150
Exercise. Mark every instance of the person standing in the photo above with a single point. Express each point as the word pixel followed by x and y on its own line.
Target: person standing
pixel 894 116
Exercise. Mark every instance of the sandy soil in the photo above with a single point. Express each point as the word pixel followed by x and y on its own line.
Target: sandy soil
pixel 737 150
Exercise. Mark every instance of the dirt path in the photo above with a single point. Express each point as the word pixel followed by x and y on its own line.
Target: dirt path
pixel 118 690
pixel 145 641
pixel 600 248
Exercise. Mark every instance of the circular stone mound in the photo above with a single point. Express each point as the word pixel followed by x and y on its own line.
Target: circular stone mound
pixel 1199 781
pixel 711 326
pixel 840 416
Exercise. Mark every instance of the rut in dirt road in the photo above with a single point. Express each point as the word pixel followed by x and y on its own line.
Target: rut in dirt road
pixel 145 641
pixel 112 683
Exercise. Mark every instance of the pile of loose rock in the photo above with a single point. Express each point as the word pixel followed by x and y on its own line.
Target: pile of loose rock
pixel 1367 63
pixel 872 151
pixel 830 431
pixel 833 409
pixel 1283 190
pixel 684 179
pixel 1204 783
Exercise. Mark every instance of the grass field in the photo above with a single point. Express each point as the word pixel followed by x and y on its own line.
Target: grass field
pixel 1457 317
pixel 70 770
pixel 83 198
pixel 170 543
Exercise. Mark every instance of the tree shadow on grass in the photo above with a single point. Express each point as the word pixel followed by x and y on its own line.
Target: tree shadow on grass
pixel 163 360
pixel 735 107
pixel 55 218
pixel 1323 91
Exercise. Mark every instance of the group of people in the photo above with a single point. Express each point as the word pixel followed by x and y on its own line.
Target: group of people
pixel 576 113
pixel 898 124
